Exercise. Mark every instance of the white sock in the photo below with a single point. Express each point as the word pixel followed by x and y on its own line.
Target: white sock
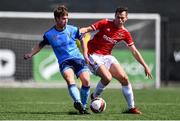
pixel 99 89
pixel 128 94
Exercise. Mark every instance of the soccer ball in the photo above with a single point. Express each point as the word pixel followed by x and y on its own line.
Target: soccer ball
pixel 98 105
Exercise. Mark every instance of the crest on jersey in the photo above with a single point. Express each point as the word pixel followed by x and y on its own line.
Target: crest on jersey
pixel 108 29
pixel 121 35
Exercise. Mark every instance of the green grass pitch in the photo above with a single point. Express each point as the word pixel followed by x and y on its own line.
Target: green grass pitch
pixel 56 104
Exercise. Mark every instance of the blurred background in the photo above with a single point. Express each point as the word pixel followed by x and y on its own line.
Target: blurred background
pixel 19 35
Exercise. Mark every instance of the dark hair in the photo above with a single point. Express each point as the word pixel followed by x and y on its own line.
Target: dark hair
pixel 60 10
pixel 121 9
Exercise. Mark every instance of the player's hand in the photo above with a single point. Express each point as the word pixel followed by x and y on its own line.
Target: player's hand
pixel 148 73
pixel 27 56
pixel 87 59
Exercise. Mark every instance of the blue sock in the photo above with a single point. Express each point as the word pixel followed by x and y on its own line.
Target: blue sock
pixel 85 91
pixel 74 93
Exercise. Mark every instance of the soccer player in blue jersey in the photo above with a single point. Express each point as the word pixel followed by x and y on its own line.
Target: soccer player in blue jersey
pixel 62 38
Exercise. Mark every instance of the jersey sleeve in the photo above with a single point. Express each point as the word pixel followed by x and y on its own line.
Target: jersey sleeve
pixel 99 24
pixel 44 42
pixel 78 35
pixel 128 39
pixel 74 32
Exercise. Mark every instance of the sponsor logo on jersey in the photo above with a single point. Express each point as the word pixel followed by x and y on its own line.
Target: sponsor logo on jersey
pixel 105 37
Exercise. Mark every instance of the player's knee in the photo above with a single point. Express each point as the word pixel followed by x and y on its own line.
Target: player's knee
pixel 85 82
pixel 85 77
pixel 124 80
pixel 107 79
pixel 68 79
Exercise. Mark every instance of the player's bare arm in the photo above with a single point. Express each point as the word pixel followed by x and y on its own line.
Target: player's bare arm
pixel 139 58
pixel 35 50
pixel 86 29
pixel 84 50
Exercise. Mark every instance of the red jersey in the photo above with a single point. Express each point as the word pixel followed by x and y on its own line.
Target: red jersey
pixel 107 36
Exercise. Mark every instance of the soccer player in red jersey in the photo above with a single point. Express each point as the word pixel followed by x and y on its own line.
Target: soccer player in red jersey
pixel 109 33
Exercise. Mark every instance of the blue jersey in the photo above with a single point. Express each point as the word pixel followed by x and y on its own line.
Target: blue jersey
pixel 64 42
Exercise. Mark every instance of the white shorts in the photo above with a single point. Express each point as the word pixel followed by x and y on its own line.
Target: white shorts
pixel 96 60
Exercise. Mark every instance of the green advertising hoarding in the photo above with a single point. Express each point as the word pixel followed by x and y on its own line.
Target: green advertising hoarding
pixel 135 70
pixel 46 68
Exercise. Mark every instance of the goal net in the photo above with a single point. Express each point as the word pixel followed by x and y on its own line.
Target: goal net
pixel 20 31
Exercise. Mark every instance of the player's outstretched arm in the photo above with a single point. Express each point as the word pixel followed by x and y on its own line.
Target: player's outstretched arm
pixel 35 50
pixel 84 30
pixel 139 58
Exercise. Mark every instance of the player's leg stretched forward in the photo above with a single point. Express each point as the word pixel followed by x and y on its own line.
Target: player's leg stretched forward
pixel 106 77
pixel 68 75
pixel 119 74
pixel 111 68
pixel 85 90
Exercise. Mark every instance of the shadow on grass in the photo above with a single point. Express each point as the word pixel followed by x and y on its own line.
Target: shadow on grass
pixel 50 113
